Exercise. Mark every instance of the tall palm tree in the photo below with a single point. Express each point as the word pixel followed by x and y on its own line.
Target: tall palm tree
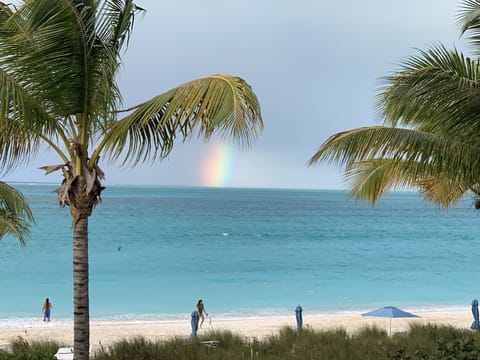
pixel 58 65
pixel 15 214
pixel 430 137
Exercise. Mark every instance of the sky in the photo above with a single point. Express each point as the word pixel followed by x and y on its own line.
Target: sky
pixel 314 65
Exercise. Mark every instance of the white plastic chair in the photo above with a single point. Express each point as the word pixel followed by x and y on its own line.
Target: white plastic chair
pixel 64 353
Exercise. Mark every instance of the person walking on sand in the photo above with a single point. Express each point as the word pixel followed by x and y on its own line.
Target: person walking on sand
pixel 201 311
pixel 47 305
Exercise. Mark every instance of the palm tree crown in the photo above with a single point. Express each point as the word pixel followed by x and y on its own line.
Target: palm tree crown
pixel 429 140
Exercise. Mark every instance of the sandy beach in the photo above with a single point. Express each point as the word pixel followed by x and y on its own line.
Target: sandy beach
pixel 107 332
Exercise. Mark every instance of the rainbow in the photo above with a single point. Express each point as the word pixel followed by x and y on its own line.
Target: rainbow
pixel 217 165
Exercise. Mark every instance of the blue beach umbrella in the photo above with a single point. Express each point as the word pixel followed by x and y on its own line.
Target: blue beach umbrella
pixel 194 324
pixel 390 312
pixel 299 317
pixel 475 324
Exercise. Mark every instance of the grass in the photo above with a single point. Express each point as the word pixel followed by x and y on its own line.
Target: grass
pixel 426 342
pixel 21 349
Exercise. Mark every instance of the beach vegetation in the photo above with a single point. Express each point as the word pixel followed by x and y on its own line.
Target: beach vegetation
pixel 426 342
pixel 59 65
pixel 23 349
pixel 429 137
pixel 15 214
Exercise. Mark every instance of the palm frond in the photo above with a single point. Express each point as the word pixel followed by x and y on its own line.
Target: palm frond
pixel 54 66
pixel 369 180
pixel 443 189
pixel 43 46
pixel 468 19
pixel 429 153
pixel 24 124
pixel 217 103
pixel 18 104
pixel 28 113
pixel 437 91
pixel 114 23
pixel 15 214
pixel 10 225
pixel 18 145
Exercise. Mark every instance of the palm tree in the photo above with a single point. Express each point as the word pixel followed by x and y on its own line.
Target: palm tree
pixel 430 138
pixel 15 214
pixel 58 65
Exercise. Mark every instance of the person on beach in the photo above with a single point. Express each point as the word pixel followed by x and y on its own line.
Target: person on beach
pixel 47 305
pixel 201 311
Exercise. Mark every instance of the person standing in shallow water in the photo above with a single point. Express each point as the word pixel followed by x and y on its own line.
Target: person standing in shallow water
pixel 47 306
pixel 201 311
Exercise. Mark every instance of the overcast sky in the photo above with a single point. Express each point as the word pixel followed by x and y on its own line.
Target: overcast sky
pixel 314 65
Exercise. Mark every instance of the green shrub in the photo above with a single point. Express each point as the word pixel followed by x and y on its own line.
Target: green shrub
pixel 459 349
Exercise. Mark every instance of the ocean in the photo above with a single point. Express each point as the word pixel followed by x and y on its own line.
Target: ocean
pixel 154 251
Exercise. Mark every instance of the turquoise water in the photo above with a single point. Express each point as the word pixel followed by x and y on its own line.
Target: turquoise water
pixel 154 251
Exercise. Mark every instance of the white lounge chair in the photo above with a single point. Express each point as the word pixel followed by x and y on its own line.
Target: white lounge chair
pixel 64 353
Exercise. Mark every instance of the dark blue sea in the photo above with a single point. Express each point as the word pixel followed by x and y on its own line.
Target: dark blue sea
pixel 154 251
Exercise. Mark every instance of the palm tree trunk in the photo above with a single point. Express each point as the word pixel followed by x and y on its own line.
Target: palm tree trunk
pixel 81 194
pixel 81 316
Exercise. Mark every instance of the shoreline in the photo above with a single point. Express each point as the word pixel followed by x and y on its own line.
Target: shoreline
pixel 106 332
pixel 19 321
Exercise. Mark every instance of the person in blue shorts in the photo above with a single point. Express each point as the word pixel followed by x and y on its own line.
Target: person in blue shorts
pixel 47 305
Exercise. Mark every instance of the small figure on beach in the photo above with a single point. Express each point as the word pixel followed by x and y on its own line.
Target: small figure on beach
pixel 47 306
pixel 201 311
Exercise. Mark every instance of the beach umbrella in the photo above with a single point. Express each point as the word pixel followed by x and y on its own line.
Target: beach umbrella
pixel 299 317
pixel 194 323
pixel 475 324
pixel 390 312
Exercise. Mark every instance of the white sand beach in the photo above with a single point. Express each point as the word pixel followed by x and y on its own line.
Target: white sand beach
pixel 107 332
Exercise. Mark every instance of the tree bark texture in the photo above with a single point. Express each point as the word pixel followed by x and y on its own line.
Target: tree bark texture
pixel 80 193
pixel 81 314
